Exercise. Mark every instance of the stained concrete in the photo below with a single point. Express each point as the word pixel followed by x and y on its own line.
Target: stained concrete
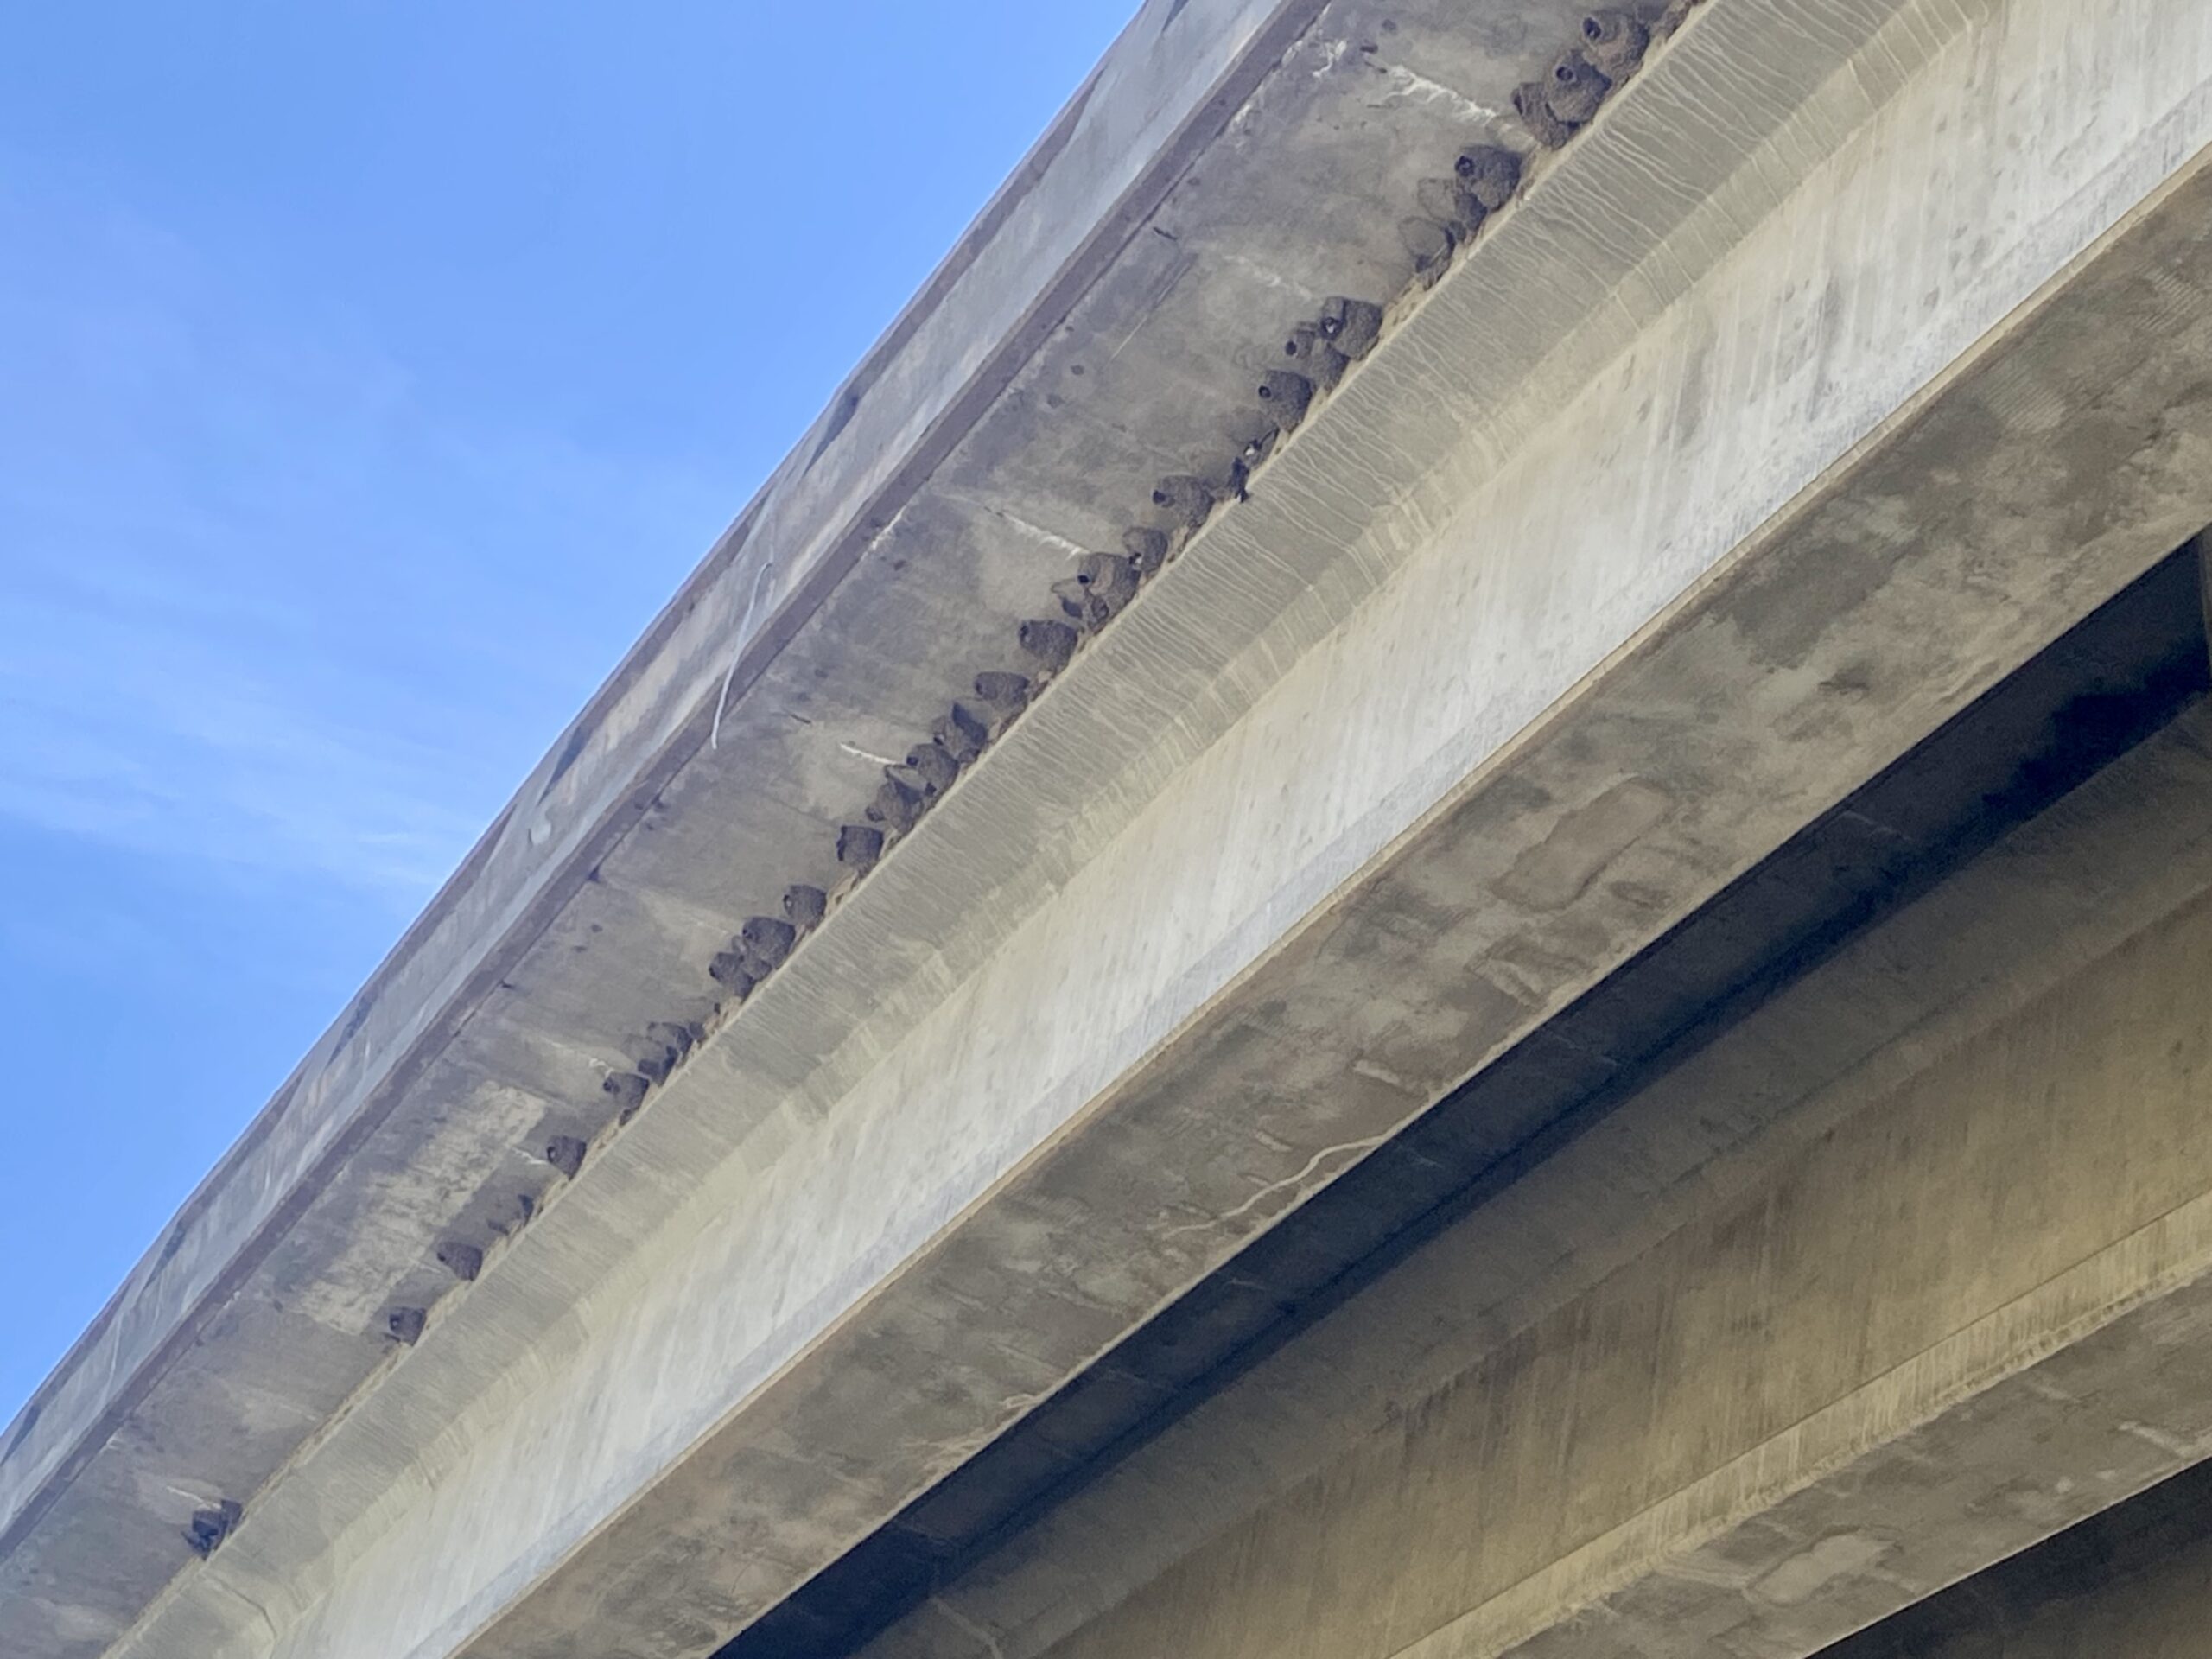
pixel 1903 1273
pixel 1055 1059
pixel 2105 687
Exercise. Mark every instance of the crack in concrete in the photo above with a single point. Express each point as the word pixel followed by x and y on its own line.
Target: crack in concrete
pixel 1407 84
pixel 1038 533
pixel 1366 1143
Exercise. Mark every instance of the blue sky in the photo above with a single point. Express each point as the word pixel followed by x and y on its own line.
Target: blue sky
pixel 370 373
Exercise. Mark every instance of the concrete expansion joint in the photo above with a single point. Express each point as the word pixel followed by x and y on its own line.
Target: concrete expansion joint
pixel 1318 353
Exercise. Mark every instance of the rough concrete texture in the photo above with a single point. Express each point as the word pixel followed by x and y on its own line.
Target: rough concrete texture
pixel 2103 688
pixel 1899 1276
pixel 1312 1076
pixel 952 1137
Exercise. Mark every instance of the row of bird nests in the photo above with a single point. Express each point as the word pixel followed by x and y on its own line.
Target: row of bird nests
pixel 1316 353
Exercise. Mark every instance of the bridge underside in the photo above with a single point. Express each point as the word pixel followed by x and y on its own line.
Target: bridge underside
pixel 1584 1031
pixel 1845 1239
pixel 1879 1251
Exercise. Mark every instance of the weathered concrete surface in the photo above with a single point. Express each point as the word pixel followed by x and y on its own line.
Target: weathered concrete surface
pixel 953 1139
pixel 2105 687
pixel 1908 1271
pixel 1309 1058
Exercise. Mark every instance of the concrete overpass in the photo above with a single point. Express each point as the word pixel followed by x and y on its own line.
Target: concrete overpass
pixel 1528 979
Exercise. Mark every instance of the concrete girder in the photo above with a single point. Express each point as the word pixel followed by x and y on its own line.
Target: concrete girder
pixel 1906 1273
pixel 1721 346
pixel 1327 1076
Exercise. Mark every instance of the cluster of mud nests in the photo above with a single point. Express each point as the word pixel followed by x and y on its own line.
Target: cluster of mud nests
pixel 1449 213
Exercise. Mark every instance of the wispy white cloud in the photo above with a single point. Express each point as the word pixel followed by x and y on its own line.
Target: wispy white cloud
pixel 170 730
pixel 265 604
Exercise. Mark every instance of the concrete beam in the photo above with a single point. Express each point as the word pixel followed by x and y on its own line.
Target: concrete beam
pixel 1907 1272
pixel 1594 583
pixel 1033 1500
pixel 770 1255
